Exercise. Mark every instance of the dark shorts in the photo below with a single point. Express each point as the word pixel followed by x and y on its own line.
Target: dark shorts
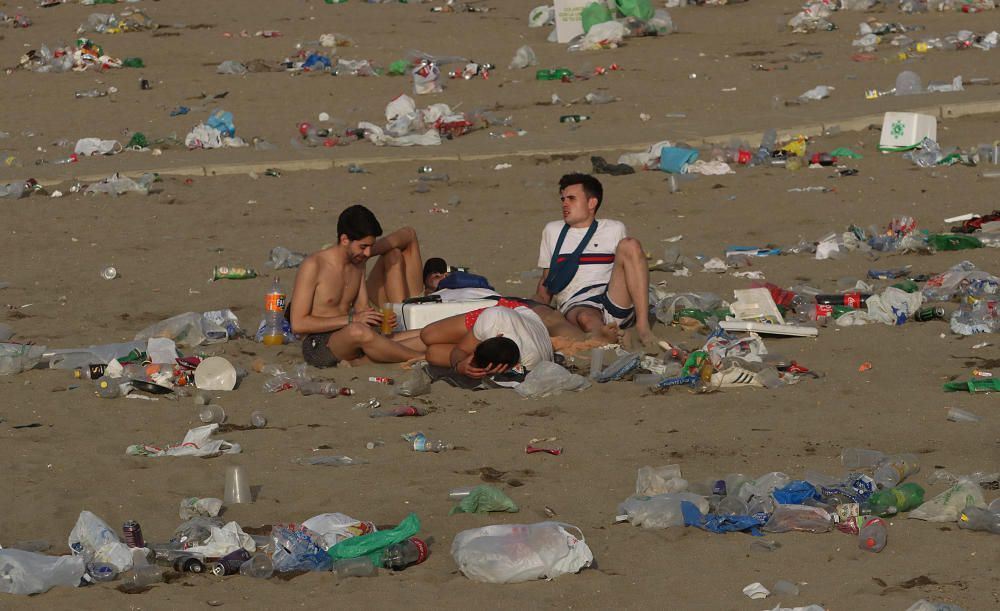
pixel 316 352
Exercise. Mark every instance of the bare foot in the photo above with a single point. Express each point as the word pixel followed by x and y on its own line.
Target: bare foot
pixel 610 333
pixel 410 364
pixel 569 346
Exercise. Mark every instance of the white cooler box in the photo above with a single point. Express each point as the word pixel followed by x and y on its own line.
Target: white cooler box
pixel 419 315
pixel 902 131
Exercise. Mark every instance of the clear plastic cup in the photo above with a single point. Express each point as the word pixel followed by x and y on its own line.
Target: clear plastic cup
pixel 212 414
pixel 258 419
pixel 237 486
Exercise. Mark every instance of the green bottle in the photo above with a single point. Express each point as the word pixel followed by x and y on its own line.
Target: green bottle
pixel 556 74
pixel 896 500
pixel 951 241
pixel 133 62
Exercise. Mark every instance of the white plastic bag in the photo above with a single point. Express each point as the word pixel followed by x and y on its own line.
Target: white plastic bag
pixel 512 553
pixel 948 506
pixel 659 480
pixel 93 539
pixel 30 573
pixel 661 510
pixel 332 528
pixel 186 330
pixel 96 146
pixel 548 378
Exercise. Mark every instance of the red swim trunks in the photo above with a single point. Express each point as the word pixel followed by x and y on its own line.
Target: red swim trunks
pixel 473 316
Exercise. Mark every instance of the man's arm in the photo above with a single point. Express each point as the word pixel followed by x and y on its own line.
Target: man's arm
pixel 301 317
pixel 400 239
pixel 461 359
pixel 542 294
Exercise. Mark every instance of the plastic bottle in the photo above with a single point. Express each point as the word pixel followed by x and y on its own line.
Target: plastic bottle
pixel 556 74
pixel 14 190
pixel 354 567
pixel 895 500
pixel 259 566
pixel 212 414
pixel 979 518
pixel 894 469
pixel 406 410
pixel 279 382
pixel 108 388
pixel 258 419
pixel 422 444
pixel 860 458
pixel 872 537
pixel 767 143
pixel 326 388
pixel 274 315
pixel 102 571
pixel 401 555
pixel 140 577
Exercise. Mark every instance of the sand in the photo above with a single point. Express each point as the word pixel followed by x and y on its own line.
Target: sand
pixel 165 245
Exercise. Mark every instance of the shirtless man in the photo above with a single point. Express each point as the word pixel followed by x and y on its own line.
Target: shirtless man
pixel 331 306
pixel 599 285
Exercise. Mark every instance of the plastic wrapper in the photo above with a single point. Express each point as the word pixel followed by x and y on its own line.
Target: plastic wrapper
pixel 30 573
pixel 659 480
pixel 187 330
pixel 948 506
pixel 296 550
pixel 548 378
pixel 93 539
pixel 661 510
pixel 798 517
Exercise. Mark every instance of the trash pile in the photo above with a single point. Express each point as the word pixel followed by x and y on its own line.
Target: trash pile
pixel 84 55
pixel 129 21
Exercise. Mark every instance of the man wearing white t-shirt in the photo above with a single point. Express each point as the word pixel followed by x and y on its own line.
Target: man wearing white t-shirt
pixel 498 338
pixel 600 283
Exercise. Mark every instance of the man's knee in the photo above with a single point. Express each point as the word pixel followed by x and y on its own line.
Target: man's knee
pixel 629 248
pixel 358 333
pixel 393 256
pixel 410 233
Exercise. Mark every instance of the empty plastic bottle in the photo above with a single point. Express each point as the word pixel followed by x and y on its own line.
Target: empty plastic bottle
pixel 354 567
pixel 980 518
pixel 108 388
pixel 140 577
pixel 860 458
pixel 405 410
pixel 212 414
pixel 401 555
pixel 872 537
pixel 422 444
pixel 767 143
pixel 327 388
pixel 259 565
pixel 895 468
pixel 14 190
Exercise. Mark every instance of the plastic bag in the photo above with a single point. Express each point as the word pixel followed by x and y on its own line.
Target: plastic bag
pixel 948 506
pixel 893 306
pixel 296 550
pixel 595 13
pixel 93 539
pixel 15 358
pixel 523 58
pixel 117 184
pixel 548 378
pixel 661 510
pixel 30 573
pixel 332 528
pixel 485 499
pixel 799 517
pixel 187 330
pixel 195 531
pixel 417 382
pixel 512 553
pixel 372 544
pixel 640 9
pixel 659 480
pixel 607 35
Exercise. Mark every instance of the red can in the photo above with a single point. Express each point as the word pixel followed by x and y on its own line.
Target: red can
pixel 133 534
pixel 743 157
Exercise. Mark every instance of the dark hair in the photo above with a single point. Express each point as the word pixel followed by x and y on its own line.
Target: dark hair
pixel 358 222
pixel 435 265
pixel 496 351
pixel 591 186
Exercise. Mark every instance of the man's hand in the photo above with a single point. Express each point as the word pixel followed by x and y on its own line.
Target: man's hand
pixel 372 318
pixel 466 368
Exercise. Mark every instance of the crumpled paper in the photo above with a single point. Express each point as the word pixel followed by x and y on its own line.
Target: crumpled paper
pixel 195 443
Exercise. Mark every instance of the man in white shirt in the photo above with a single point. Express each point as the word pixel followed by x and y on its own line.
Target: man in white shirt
pixel 596 275
pixel 497 338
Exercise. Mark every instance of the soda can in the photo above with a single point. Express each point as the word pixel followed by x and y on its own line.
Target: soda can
pixel 230 563
pixel 133 534
pixel 930 313
pixel 109 273
pixel 189 564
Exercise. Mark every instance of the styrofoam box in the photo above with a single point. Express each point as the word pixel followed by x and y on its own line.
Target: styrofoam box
pixel 903 130
pixel 419 315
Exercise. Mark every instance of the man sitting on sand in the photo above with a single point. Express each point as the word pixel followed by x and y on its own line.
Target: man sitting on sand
pixel 331 306
pixel 488 341
pixel 597 276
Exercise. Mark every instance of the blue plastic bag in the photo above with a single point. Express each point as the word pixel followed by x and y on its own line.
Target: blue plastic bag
pixel 222 121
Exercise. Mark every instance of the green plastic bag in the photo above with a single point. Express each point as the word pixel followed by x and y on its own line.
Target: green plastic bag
pixel 484 499
pixel 640 9
pixel 372 544
pixel 951 241
pixel 594 13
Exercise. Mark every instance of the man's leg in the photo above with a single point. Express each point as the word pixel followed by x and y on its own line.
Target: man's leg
pixel 556 324
pixel 449 330
pixel 629 285
pixel 398 272
pixel 347 342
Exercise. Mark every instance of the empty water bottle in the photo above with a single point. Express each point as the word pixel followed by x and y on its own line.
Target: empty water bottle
pixel 872 537
pixel 355 567
pixel 401 555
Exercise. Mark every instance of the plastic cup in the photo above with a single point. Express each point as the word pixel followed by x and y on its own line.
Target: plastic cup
pixel 354 567
pixel 237 486
pixel 212 414
pixel 854 458
pixel 457 494
pixel 956 414
pixel 258 420
pixel 734 481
